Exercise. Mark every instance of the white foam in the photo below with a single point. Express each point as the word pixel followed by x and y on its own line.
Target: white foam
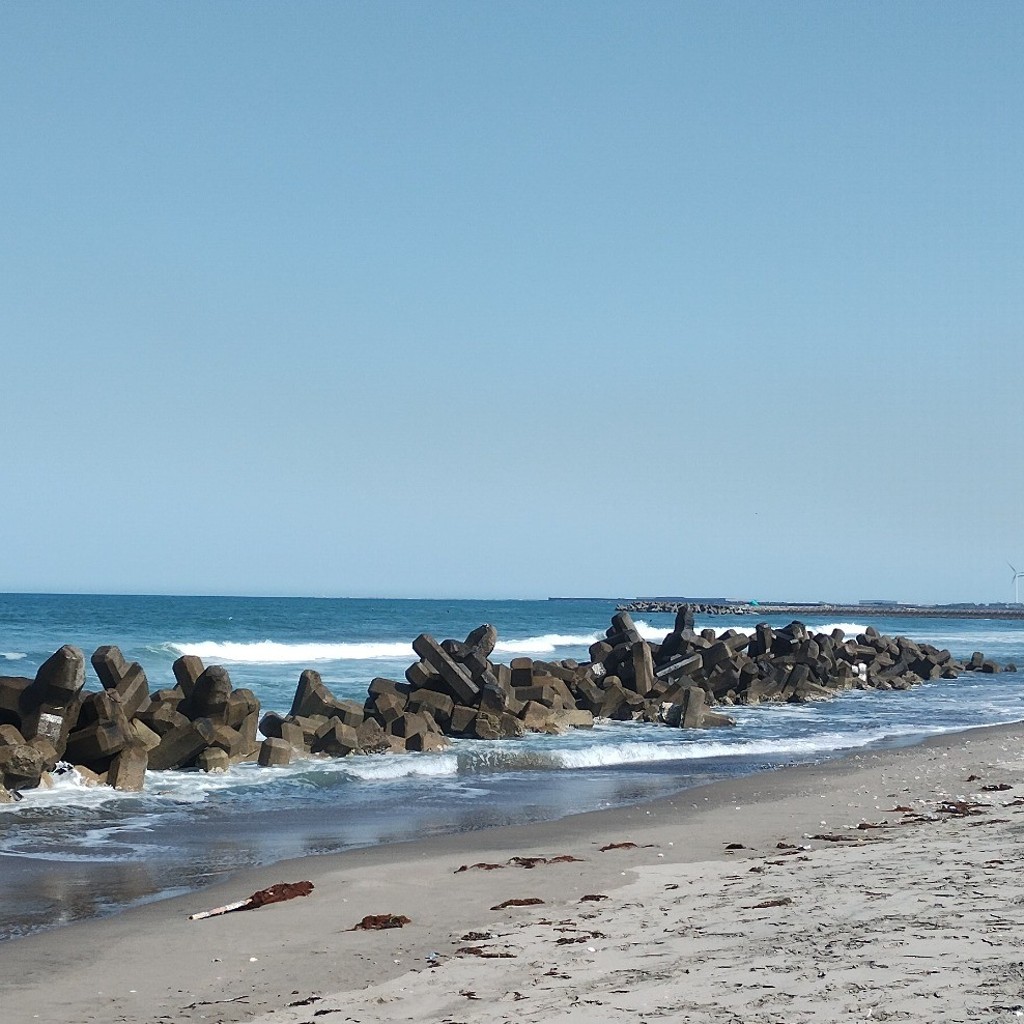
pixel 851 629
pixel 269 652
pixel 13 655
pixel 611 754
pixel 68 787
pixel 547 643
pixel 382 767
pixel 649 632
pixel 657 634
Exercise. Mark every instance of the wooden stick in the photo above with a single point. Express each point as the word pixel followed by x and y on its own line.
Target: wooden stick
pixel 217 911
pixel 274 894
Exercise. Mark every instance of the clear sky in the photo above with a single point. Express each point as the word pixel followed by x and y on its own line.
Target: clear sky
pixel 512 299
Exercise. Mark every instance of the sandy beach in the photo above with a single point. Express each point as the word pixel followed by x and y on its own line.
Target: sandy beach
pixel 887 885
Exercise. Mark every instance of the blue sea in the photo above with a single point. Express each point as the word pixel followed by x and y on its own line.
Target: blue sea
pixel 74 852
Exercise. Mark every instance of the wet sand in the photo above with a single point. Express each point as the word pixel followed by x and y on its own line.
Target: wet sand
pixel 758 899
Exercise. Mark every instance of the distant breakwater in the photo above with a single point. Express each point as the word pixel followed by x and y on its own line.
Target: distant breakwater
pixel 649 607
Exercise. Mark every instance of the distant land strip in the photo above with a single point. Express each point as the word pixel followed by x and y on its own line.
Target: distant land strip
pixel 764 608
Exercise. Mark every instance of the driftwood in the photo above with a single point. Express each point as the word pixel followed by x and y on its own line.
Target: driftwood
pixel 275 894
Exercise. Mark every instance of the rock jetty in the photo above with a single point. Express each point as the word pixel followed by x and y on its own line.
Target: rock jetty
pixel 890 609
pixel 454 689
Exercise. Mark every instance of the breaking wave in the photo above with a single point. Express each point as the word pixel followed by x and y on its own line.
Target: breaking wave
pixel 607 755
pixel 378 768
pixel 269 652
pixel 12 655
pixel 610 755
pixel 851 629
pixel 547 643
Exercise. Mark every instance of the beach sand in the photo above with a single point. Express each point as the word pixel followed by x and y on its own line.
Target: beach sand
pixel 756 900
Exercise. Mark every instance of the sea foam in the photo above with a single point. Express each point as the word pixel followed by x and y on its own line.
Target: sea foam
pixel 546 644
pixel 269 652
pixel 851 629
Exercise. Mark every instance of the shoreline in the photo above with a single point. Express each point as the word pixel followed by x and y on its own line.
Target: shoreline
pixel 95 890
pixel 149 961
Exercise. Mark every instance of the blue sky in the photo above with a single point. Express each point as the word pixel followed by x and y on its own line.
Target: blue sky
pixel 465 299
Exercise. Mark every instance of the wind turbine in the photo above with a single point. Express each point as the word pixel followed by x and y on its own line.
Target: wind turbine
pixel 1015 580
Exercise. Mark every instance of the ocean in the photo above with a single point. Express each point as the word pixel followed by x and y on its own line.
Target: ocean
pixel 73 852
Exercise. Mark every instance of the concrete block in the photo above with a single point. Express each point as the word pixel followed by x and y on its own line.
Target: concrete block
pixel 479 668
pixel 439 705
pixel 142 734
pixel 679 666
pixel 536 717
pixel 162 718
pixel 171 695
pixel 187 670
pixel 684 619
pixel 383 685
pixel 127 680
pixel 717 654
pixel 274 752
pixel 10 736
pixel 60 678
pixel 420 674
pixel 248 731
pixel 292 734
pixel 693 708
pixel 350 712
pixel 622 630
pixel 21 766
pixel 371 737
pixel 127 770
pixel 456 678
pixel 408 724
pixel 180 746
pixel 271 724
pixel 563 694
pixel 462 720
pixel 312 697
pixel 483 640
pixel 336 739
pixel 430 742
pixel 486 726
pixel 13 699
pixel 388 706
pixel 503 674
pixel 241 704
pixel 643 668
pixel 522 672
pixel 589 695
pixel 574 718
pixel 48 751
pixel 210 697
pixel 229 740
pixel 51 722
pixel 310 726
pixel 546 695
pixel 213 759
pixel 108 731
